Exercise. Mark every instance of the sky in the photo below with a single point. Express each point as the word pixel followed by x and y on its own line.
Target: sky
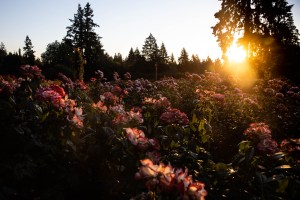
pixel 123 24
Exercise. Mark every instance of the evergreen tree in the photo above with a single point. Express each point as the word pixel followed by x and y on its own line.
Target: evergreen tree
pixel 92 46
pixel 75 32
pixel 150 50
pixel 172 59
pixel 28 55
pixel 184 57
pixel 82 36
pixel 118 59
pixel 258 25
pixel 139 58
pixel 130 60
pixel 3 53
pixel 163 54
pixel 183 61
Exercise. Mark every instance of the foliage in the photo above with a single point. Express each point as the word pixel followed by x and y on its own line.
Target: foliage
pixel 200 136
pixel 28 52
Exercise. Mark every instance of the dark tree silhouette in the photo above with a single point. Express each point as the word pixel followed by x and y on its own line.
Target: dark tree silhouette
pixel 183 58
pixel 164 58
pixel 3 53
pixel 150 50
pixel 256 23
pixel 28 55
pixel 81 35
pixel 183 61
pixel 265 28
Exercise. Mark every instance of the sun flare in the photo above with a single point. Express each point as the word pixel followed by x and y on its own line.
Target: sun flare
pixel 236 54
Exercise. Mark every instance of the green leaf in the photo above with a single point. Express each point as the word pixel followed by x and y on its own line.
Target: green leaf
pixel 201 126
pixel 174 145
pixel 244 146
pixel 193 128
pixel 282 185
pixel 220 167
pixel 204 138
pixel 156 122
pixel 194 119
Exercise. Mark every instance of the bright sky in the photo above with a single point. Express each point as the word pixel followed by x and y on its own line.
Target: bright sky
pixel 123 24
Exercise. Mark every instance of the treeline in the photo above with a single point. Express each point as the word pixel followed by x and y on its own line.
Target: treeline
pixel 80 53
pixel 272 46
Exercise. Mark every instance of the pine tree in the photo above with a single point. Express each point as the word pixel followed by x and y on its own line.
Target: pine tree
pixel 150 50
pixel 172 59
pixel 28 55
pixel 163 54
pixel 75 32
pixel 184 57
pixel 92 45
pixel 130 60
pixel 258 25
pixel 82 36
pixel 3 53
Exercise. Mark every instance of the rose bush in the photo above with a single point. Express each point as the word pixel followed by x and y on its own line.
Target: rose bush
pixel 195 137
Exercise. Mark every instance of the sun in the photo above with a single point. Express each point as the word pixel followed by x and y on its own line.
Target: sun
pixel 236 54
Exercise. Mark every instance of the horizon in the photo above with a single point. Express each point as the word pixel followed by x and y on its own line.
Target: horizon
pixel 123 25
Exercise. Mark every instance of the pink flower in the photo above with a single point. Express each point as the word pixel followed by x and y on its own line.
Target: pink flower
pixel 162 103
pixel 100 106
pixel 81 85
pixel 109 99
pixel 148 169
pixel 93 79
pixel 135 115
pixel 258 130
pixel 77 117
pixel 154 156
pixel 117 90
pixel 174 116
pixel 31 72
pixel 196 191
pixel 167 179
pixel 218 97
pixel 134 134
pixel 9 84
pixel 267 145
pixel 53 94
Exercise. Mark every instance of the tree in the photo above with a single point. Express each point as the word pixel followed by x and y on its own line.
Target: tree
pixel 92 45
pixel 183 61
pixel 150 50
pixel 75 32
pixel 172 60
pixel 81 35
pixel 196 64
pixel 118 59
pixel 57 53
pixel 163 54
pixel 130 60
pixel 184 57
pixel 28 55
pixel 3 53
pixel 258 25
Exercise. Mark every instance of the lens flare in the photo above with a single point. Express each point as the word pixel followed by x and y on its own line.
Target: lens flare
pixel 236 54
pixel 238 66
